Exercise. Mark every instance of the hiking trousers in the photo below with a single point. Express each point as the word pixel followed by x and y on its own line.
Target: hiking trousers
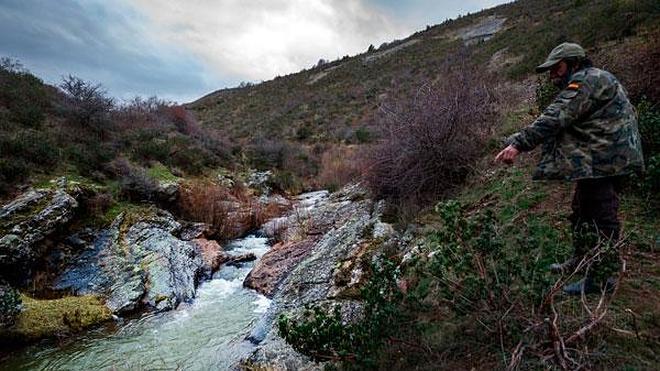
pixel 595 219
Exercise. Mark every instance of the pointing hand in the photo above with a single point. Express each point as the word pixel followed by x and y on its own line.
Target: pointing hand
pixel 507 155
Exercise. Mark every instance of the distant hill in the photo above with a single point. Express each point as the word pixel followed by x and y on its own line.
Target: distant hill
pixel 309 127
pixel 335 102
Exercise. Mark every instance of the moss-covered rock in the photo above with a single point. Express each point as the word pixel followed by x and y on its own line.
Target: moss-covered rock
pixel 48 318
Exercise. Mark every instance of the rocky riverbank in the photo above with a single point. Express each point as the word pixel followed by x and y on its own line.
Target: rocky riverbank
pixel 324 264
pixel 146 259
pixel 68 277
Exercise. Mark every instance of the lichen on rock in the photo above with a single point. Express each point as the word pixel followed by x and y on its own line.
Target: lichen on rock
pixel 26 221
pixel 138 262
pixel 346 232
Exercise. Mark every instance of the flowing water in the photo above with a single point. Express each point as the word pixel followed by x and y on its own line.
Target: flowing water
pixel 206 334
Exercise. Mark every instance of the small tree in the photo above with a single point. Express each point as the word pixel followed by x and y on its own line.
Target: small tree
pixel 89 105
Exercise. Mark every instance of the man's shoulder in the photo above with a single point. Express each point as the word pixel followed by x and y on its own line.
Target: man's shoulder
pixel 594 77
pixel 594 81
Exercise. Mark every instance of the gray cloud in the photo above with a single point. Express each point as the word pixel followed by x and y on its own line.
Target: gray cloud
pixel 101 43
pixel 182 49
pixel 258 39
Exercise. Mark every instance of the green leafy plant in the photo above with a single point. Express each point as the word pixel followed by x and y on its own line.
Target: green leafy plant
pixel 324 335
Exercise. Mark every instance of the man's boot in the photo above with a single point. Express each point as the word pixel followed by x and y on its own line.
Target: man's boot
pixel 588 285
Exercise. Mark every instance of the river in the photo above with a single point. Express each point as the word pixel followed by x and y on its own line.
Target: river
pixel 205 334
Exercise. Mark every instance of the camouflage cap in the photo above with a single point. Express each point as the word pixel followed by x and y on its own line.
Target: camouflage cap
pixel 565 50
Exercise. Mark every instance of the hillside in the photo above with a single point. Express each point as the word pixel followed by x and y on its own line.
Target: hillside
pixel 413 250
pixel 337 101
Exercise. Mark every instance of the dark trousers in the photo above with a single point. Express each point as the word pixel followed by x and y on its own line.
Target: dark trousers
pixel 594 220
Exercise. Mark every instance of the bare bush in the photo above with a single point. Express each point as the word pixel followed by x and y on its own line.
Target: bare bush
pixel 134 183
pixel 206 202
pixel 339 166
pixel 140 113
pixel 89 104
pixel 429 143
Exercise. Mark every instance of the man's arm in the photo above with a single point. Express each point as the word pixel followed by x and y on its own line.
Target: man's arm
pixel 571 104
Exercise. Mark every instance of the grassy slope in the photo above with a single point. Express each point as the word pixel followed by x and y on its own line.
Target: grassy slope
pixel 532 221
pixel 540 210
pixel 349 94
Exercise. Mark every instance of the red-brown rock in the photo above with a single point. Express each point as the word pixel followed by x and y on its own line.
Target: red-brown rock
pixel 275 264
pixel 211 253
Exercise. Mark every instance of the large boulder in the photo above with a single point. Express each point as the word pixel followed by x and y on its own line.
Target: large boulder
pixel 26 222
pixel 137 262
pixel 212 255
pixel 168 191
pixel 259 180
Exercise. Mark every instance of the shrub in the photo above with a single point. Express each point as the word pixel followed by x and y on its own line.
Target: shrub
pixel 546 92
pixel 363 135
pixel 88 158
pixel 88 105
pixel 192 159
pixel 649 127
pixel 635 62
pixel 430 143
pixel 11 171
pixel 22 153
pixel 134 182
pixel 23 94
pixel 147 146
pixel 339 166
pixel 206 202
pixel 32 146
pixel 285 181
pixel 325 336
pixel 267 154
pixel 490 281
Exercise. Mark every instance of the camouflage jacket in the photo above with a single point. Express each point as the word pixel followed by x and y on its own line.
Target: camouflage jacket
pixel 589 131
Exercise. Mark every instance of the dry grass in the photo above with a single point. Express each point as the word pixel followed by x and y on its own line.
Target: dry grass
pixel 340 165
pixel 231 212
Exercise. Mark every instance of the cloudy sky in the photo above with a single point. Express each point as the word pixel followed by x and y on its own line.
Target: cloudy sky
pixel 181 50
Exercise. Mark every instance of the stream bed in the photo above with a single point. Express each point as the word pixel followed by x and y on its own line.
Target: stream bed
pixel 207 333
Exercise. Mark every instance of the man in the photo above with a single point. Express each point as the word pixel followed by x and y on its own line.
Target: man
pixel 588 135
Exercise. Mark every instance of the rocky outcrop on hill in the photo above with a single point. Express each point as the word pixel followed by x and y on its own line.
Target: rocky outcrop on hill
pixel 345 230
pixel 26 222
pixel 139 261
pixel 482 30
